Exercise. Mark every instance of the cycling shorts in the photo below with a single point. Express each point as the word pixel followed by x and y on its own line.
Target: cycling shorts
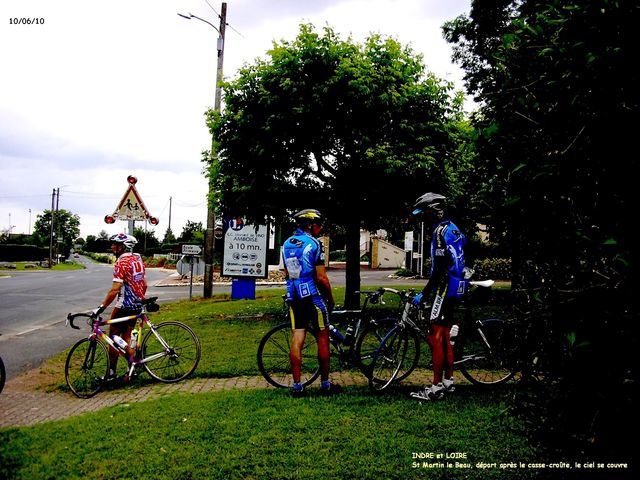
pixel 308 312
pixel 124 312
pixel 442 306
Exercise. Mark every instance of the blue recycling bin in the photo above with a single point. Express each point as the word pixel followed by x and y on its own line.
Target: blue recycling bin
pixel 243 288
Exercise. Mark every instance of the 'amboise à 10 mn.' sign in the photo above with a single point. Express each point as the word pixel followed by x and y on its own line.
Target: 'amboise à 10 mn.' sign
pixel 245 249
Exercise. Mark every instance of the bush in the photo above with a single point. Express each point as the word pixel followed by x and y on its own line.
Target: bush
pixel 494 268
pixel 13 253
pixel 338 256
pixel 403 272
pixel 98 257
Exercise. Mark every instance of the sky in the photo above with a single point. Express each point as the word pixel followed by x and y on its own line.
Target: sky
pixel 100 90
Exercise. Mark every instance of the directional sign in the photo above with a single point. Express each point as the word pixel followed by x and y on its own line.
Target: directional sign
pixel 191 249
pixel 245 249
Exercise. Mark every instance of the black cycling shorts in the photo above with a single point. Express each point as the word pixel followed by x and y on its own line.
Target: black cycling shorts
pixel 442 307
pixel 124 312
pixel 308 312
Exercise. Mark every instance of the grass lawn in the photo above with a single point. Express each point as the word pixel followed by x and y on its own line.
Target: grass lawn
pixel 263 433
pixel 60 266
pixel 258 434
pixel 229 333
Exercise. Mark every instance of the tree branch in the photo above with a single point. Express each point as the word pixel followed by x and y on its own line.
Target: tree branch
pixel 323 164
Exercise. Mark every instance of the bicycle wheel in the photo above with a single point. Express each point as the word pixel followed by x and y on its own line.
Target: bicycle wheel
pixel 86 367
pixel 484 354
pixel 273 357
pixel 3 375
pixel 171 352
pixel 388 359
pixel 370 339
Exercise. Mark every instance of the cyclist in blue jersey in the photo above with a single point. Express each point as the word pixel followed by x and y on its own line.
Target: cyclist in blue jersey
pixel 445 287
pixel 308 294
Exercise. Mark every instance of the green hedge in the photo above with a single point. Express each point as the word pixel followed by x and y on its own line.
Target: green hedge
pixel 493 268
pixel 97 256
pixel 16 253
pixel 486 268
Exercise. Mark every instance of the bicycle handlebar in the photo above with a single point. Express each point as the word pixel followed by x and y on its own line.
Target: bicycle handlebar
pixel 72 317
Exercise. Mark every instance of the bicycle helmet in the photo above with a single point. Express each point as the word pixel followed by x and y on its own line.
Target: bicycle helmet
pixel 429 201
pixel 308 216
pixel 128 241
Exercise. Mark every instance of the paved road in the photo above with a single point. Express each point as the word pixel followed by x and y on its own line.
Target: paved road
pixel 34 305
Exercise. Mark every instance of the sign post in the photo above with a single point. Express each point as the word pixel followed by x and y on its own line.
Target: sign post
pixel 192 255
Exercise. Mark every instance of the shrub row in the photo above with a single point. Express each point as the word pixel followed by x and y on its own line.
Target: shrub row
pixel 98 257
pixel 487 268
pixel 13 253
pixel 493 268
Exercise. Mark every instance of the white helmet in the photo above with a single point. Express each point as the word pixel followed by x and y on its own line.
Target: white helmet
pixel 128 241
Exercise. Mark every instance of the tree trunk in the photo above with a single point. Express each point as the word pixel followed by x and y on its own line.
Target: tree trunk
pixel 352 299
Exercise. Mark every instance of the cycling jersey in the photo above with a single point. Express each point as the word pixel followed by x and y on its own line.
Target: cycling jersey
pixel 301 253
pixel 129 270
pixel 447 256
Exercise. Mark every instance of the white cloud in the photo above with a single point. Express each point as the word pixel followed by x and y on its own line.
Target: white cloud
pixel 102 90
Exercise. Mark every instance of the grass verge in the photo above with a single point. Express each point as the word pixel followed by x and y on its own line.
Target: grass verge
pixel 257 434
pixel 20 266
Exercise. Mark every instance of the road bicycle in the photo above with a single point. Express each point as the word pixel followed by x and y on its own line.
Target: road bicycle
pixel 352 349
pixel 482 349
pixel 169 351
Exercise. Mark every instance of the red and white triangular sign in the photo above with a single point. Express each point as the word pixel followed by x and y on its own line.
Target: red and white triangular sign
pixel 131 206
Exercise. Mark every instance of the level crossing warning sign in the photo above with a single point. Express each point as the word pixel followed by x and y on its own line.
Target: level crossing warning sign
pixel 131 207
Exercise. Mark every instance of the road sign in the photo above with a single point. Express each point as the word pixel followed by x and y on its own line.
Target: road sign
pixel 191 249
pixel 245 250
pixel 131 207
pixel 188 263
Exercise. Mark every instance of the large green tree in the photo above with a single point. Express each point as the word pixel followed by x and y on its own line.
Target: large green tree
pixel 559 105
pixel 558 100
pixel 356 130
pixel 66 228
pixel 192 232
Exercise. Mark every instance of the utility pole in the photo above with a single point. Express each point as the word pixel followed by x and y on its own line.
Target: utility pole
pixel 211 216
pixel 58 231
pixel 29 221
pixel 53 199
pixel 170 199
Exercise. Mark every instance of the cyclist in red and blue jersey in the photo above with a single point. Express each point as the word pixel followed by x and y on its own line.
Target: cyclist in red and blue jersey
pixel 129 287
pixel 446 286
pixel 308 294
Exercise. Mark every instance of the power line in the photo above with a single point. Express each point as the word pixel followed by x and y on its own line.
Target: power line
pixel 228 25
pixel 210 6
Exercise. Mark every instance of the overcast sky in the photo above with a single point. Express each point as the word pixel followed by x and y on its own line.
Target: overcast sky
pixel 111 88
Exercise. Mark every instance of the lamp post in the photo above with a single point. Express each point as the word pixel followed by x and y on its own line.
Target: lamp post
pixel 211 217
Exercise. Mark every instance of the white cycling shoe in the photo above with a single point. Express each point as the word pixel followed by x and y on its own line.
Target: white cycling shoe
pixel 434 392
pixel 448 385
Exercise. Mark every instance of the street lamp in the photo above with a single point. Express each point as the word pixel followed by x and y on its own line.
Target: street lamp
pixel 211 218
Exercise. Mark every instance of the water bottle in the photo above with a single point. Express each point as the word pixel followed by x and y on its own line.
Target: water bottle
pixel 335 333
pixel 134 339
pixel 453 334
pixel 348 335
pixel 120 342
